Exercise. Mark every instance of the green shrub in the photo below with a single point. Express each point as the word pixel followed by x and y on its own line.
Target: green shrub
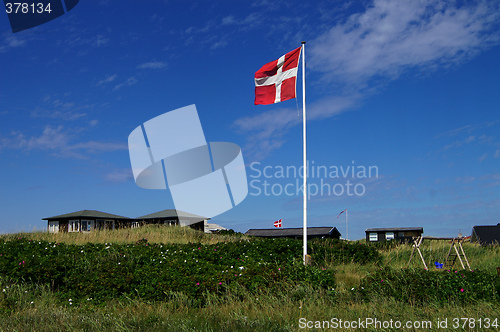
pixel 418 286
pixel 341 252
pixel 102 272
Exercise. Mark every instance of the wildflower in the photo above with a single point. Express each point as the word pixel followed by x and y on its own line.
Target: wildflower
pixel 279 269
pixel 382 280
pixel 220 283
pixel 32 302
pixel 352 288
pixel 462 290
pixel 197 284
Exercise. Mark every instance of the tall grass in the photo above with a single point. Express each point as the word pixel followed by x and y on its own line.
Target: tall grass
pixel 29 307
pixel 36 309
pixel 153 233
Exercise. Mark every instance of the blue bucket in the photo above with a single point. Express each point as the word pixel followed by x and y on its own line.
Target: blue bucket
pixel 438 265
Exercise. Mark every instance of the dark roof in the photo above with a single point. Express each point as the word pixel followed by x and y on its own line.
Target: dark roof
pixel 87 214
pixel 486 235
pixel 172 213
pixel 283 232
pixel 396 229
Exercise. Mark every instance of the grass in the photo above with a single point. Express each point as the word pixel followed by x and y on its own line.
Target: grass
pixel 30 307
pixel 153 233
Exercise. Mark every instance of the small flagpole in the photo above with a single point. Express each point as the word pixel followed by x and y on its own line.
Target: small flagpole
pixel 304 149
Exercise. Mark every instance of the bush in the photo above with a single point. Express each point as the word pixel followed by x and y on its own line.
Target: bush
pixel 422 287
pixel 155 271
pixel 332 251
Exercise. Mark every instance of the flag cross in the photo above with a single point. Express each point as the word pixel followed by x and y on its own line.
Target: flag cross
pixel 275 81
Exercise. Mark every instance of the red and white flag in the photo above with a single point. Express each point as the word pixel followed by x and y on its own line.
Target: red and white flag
pixel 275 81
pixel 277 223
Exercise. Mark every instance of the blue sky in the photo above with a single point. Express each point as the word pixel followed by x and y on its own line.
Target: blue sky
pixel 409 87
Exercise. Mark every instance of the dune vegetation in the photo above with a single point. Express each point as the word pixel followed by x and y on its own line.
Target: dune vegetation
pixel 177 279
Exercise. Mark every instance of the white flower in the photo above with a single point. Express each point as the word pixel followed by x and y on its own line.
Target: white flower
pixel 32 302
pixel 70 300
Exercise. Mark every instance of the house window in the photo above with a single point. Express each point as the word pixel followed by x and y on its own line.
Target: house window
pixel 401 234
pixel 53 226
pixel 87 225
pixel 373 237
pixel 135 224
pixel 169 222
pixel 389 236
pixel 74 226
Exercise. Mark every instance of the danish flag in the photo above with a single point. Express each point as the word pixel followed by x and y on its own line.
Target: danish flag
pixel 277 223
pixel 341 213
pixel 275 81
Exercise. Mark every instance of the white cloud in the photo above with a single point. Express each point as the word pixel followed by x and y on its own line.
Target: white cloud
pixel 376 46
pixel 393 36
pixel 129 82
pixel 58 141
pixel 457 144
pixel 119 175
pixel 265 131
pixel 12 41
pixel 108 79
pixel 152 65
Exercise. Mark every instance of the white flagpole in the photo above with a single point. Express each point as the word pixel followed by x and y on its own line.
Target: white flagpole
pixel 304 140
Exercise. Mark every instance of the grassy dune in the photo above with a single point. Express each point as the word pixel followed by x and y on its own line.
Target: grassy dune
pixel 153 233
pixel 290 308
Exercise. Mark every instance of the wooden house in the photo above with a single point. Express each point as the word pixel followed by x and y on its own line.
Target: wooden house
pixel 172 217
pixel 90 220
pixel 403 234
pixel 86 221
pixel 486 235
pixel 296 233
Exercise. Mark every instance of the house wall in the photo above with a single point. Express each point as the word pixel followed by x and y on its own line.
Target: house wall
pixel 400 236
pixel 63 224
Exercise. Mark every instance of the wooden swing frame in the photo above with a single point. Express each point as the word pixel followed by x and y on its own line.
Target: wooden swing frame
pixel 451 257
